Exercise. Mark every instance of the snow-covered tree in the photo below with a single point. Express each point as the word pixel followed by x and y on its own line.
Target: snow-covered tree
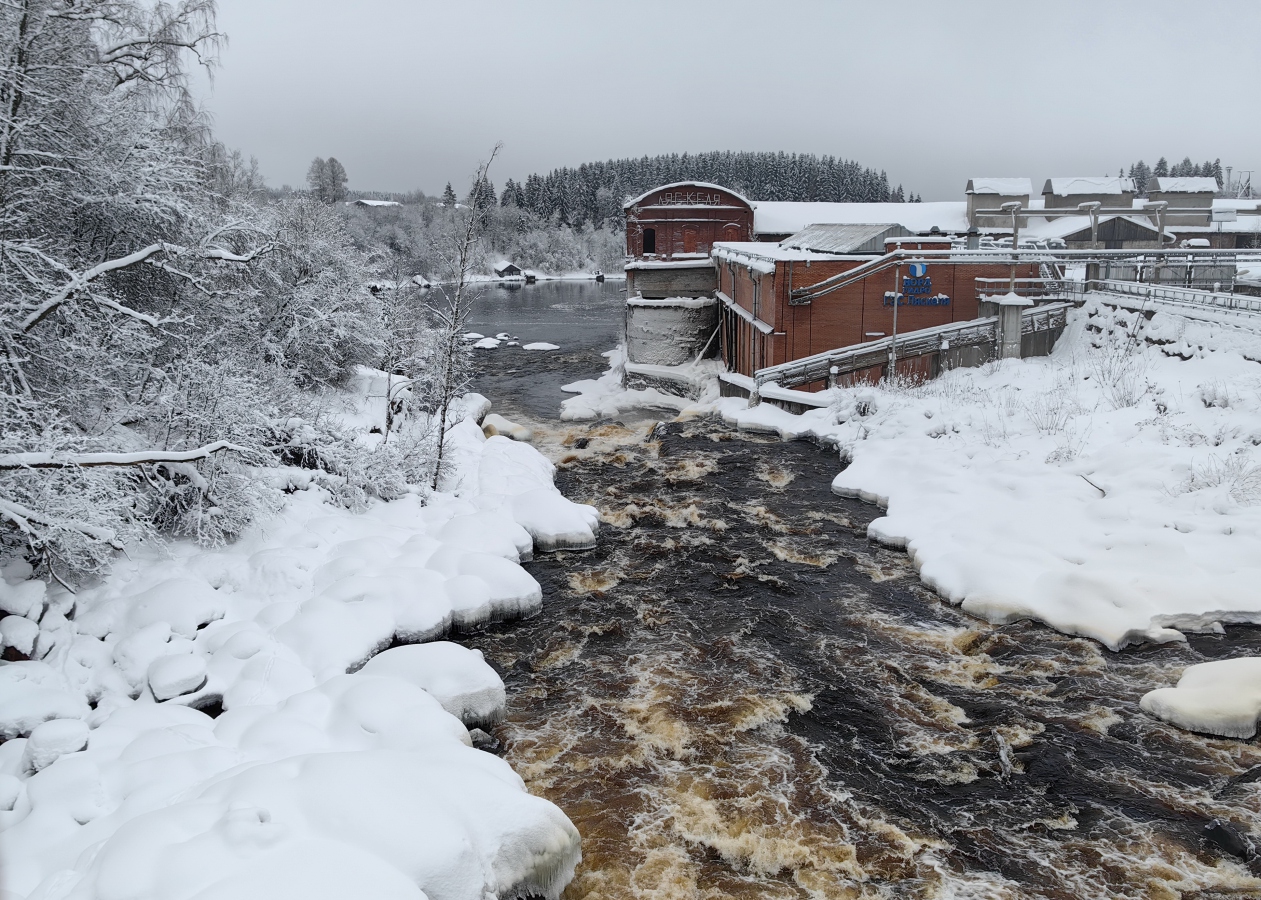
pixel 452 357
pixel 156 317
pixel 327 179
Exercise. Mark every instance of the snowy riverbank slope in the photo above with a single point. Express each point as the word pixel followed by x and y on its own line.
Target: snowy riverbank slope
pixel 1111 490
pixel 311 782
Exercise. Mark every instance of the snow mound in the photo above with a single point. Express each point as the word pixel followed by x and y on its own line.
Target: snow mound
pixel 364 774
pixel 495 424
pixel 1221 697
pixel 19 633
pixel 458 678
pixel 311 780
pixel 540 345
pixel 489 343
pixel 519 480
pixel 607 396
pixel 170 676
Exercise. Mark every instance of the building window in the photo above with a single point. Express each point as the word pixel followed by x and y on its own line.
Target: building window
pixel 689 240
pixel 650 240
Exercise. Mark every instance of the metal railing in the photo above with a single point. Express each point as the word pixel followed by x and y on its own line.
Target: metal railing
pixel 1059 258
pixel 911 344
pixel 1188 297
pixel 1034 288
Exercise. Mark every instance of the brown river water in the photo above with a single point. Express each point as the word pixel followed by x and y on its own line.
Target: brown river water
pixel 736 694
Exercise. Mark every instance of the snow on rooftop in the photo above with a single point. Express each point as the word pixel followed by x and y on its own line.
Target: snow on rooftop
pixel 1005 187
pixel 1192 185
pixel 1039 228
pixel 830 238
pixel 761 257
pixel 785 217
pixel 677 184
pixel 377 203
pixel 1104 184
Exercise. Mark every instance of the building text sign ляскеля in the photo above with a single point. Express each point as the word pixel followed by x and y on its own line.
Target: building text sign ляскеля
pixel 691 198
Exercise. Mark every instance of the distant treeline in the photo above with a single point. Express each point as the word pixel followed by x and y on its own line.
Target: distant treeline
pixel 1140 171
pixel 594 192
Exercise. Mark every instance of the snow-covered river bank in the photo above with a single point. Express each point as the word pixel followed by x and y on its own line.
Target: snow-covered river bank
pixel 734 693
pixel 738 694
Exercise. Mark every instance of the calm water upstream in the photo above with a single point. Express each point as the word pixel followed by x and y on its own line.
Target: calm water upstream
pixel 737 695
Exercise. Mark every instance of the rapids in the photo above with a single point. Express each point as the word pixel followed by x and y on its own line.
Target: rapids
pixel 736 694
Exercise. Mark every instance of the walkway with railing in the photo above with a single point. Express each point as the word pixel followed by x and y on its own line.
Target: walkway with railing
pixel 1055 296
pixel 912 344
pixel 1184 299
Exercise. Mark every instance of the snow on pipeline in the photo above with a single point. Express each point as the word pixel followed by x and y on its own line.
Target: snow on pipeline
pixel 336 767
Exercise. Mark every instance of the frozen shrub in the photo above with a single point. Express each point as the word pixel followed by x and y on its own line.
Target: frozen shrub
pixel 1236 473
pixel 1215 394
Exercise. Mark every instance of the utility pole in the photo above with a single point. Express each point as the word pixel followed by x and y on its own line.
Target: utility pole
pixel 1013 207
pixel 897 297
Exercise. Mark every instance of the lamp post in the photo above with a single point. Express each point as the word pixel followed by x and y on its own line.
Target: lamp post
pixel 897 295
pixel 1013 207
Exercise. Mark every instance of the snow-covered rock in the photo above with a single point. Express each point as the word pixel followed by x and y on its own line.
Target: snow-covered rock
pixel 458 678
pixel 520 481
pixel 1221 697
pixel 32 693
pixel 540 345
pixel 489 343
pixel 171 676
pixel 311 781
pixel 52 740
pixel 26 598
pixel 495 424
pixel 365 774
pixel 19 633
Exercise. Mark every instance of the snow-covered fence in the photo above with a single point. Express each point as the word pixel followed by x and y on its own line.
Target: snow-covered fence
pixel 1185 297
pixel 953 338
pixel 1043 289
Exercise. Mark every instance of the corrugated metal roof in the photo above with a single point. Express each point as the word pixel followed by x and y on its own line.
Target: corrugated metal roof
pixel 853 238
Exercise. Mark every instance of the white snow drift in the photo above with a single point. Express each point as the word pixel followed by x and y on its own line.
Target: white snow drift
pixel 1221 697
pixel 312 782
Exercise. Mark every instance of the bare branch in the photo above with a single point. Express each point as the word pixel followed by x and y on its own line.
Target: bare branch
pixel 90 460
pixel 23 518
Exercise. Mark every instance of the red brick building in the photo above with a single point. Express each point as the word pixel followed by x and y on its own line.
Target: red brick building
pixel 703 240
pixel 685 219
pixel 763 325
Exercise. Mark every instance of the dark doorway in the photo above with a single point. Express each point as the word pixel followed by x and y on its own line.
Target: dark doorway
pixel 650 240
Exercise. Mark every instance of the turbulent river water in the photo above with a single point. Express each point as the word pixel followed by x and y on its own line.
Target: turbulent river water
pixel 736 694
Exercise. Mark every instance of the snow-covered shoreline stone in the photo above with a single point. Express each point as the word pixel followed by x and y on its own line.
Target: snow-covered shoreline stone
pixel 457 677
pixel 1222 697
pixel 309 776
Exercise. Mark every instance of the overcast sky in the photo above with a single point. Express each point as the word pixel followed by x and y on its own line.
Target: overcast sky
pixel 413 93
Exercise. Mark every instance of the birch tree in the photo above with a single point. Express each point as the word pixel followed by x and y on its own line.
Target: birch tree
pixel 452 368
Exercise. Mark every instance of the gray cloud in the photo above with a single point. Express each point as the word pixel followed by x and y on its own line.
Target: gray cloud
pixel 410 94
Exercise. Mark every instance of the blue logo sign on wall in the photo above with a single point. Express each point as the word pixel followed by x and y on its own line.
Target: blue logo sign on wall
pixel 917 289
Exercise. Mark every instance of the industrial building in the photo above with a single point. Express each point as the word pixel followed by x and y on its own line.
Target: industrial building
pixel 764 283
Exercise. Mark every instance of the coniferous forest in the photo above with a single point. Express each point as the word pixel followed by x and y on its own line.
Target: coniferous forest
pixel 594 192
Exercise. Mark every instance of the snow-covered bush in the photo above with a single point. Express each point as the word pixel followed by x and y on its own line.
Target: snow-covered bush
pixel 158 313
pixel 1236 472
